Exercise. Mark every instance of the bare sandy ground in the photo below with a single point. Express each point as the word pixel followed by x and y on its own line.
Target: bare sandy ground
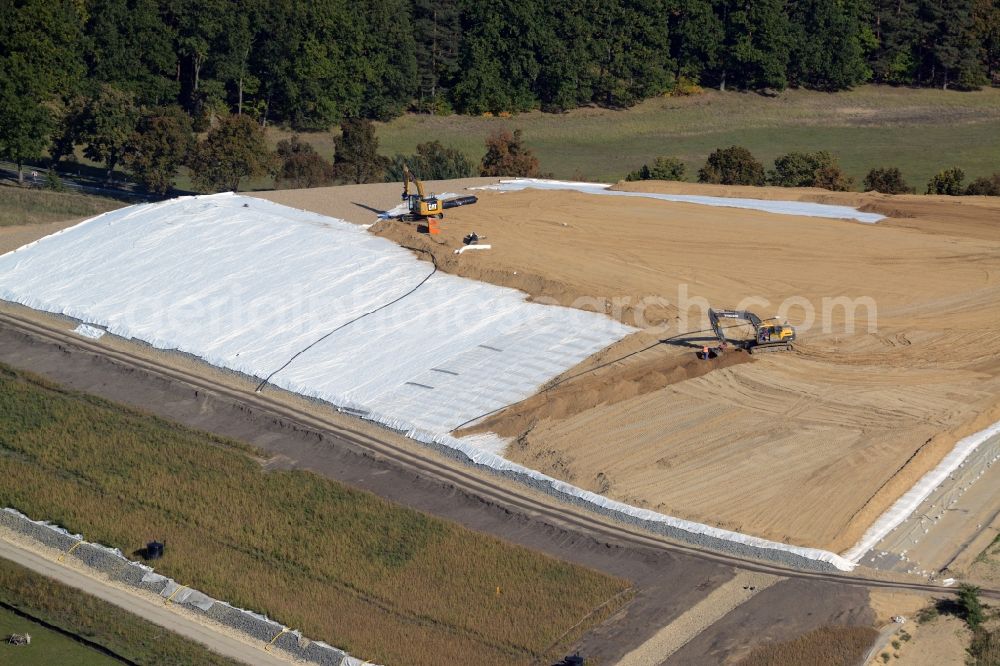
pixel 942 640
pixel 807 447
pixel 15 236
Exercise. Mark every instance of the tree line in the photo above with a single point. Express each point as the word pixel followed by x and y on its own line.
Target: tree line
pixel 736 165
pixel 310 65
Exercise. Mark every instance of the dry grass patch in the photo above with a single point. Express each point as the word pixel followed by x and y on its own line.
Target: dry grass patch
pixel 386 583
pixel 22 205
pixel 826 646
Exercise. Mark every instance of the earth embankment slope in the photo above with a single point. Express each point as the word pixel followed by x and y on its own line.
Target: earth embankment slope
pixel 808 447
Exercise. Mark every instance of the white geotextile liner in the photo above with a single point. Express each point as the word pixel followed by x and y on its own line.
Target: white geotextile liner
pixel 780 207
pixel 246 284
pixel 908 503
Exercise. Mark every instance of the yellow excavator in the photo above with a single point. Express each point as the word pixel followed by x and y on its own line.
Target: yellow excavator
pixel 423 207
pixel 769 334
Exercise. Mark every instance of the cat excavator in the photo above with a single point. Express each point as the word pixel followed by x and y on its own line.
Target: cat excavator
pixel 426 209
pixel 769 334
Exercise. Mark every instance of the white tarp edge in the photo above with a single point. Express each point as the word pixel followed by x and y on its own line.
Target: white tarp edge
pixel 88 331
pixel 907 504
pixel 804 208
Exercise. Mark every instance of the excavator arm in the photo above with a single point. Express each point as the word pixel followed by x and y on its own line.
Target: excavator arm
pixel 408 177
pixel 743 315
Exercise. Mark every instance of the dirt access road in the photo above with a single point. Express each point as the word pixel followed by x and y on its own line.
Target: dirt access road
pixel 667 581
pixel 153 611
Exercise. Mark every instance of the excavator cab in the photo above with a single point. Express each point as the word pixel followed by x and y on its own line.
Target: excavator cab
pixel 775 331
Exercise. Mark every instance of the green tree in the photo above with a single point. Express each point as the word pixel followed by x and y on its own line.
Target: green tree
pixel 389 75
pixel 697 33
pixel 663 168
pixel 947 182
pixel 356 158
pixel 161 143
pixel 828 44
pixel 310 63
pixel 108 123
pixel 301 165
pixel 898 34
pixel 40 60
pixel 507 155
pixel 498 60
pixel 129 46
pixel 971 606
pixel 197 27
pixel 986 31
pixel 437 30
pixel 565 53
pixel 234 150
pixel 954 52
pixel 985 186
pixel 755 49
pixel 67 127
pixel 818 169
pixel 888 180
pixel 236 44
pixel 732 166
pixel 631 40
pixel 432 161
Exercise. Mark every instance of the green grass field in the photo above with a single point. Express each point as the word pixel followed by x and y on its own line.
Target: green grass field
pixel 47 646
pixel 22 205
pixel 386 583
pixel 88 617
pixel 920 131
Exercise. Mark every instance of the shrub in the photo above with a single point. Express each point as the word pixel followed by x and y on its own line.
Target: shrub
pixel 832 177
pixel 356 158
pixel 985 648
pixel 818 169
pixel 301 165
pixel 983 186
pixel 732 166
pixel 432 161
pixel 970 605
pixel 53 181
pixel 506 155
pixel 947 182
pixel 663 168
pixel 887 180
